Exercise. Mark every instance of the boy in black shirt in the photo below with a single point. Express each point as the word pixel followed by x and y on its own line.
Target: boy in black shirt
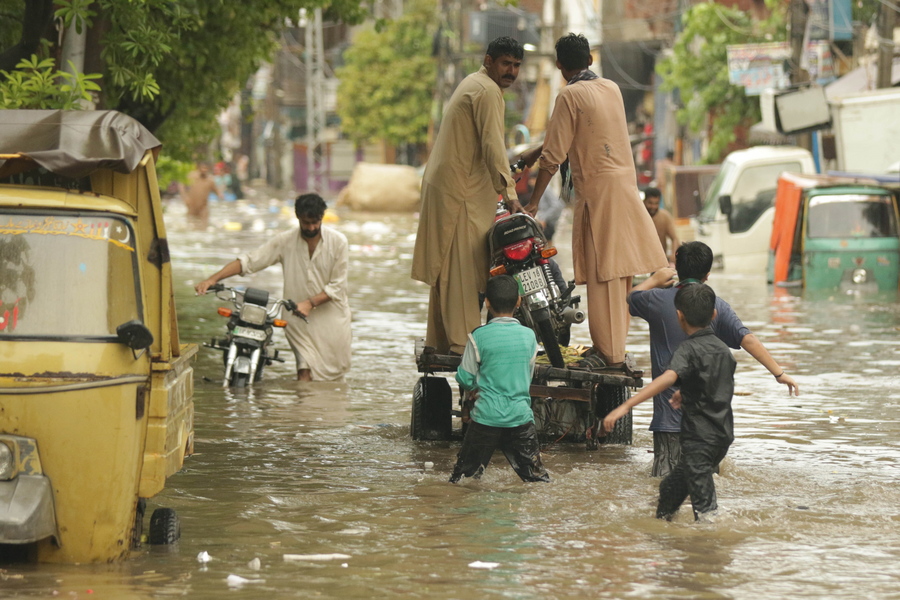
pixel 703 367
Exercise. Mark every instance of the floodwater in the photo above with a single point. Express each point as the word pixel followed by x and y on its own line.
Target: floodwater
pixel 808 494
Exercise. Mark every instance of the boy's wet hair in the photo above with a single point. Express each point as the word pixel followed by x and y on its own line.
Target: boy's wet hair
pixel 573 52
pixel 652 192
pixel 693 260
pixel 505 46
pixel 503 293
pixel 311 206
pixel 697 302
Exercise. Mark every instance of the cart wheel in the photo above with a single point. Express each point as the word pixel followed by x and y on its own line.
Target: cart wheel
pixel 607 398
pixel 164 527
pixel 431 410
pixel 138 529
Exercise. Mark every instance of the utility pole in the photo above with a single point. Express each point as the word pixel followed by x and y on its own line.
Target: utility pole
pixel 315 102
pixel 799 14
pixel 885 29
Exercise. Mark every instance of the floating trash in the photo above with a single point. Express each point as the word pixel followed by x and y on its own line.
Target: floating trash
pixel 316 557
pixel 483 565
pixel 238 581
pixel 255 564
pixel 204 557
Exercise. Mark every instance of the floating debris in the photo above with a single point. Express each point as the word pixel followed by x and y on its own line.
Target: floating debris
pixel 483 565
pixel 316 557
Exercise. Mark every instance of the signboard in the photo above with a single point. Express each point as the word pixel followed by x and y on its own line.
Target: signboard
pixel 757 67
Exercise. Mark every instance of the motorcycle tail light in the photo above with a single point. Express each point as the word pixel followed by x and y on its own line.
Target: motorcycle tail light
pixel 548 252
pixel 225 312
pixel 519 250
pixel 498 270
pixel 253 314
pixel 279 323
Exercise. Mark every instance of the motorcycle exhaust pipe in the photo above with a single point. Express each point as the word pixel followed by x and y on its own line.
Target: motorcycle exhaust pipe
pixel 573 315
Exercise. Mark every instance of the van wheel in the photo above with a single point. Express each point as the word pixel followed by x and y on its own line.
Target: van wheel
pixel 165 527
pixel 606 399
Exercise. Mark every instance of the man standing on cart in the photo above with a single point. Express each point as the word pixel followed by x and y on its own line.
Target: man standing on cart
pixel 613 237
pixel 467 170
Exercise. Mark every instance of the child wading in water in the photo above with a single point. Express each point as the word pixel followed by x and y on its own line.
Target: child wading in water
pixel 498 364
pixel 703 367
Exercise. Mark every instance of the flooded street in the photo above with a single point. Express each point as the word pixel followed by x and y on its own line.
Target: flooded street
pixel 808 494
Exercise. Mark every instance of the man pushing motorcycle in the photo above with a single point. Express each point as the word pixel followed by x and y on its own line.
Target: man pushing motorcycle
pixel 315 260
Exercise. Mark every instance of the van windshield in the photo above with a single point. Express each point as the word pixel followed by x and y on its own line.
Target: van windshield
pixel 851 216
pixel 66 276
pixel 711 203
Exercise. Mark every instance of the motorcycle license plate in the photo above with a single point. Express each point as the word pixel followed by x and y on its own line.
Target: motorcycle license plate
pixel 246 332
pixel 532 280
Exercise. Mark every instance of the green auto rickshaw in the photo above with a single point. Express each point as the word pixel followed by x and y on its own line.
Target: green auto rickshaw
pixel 835 233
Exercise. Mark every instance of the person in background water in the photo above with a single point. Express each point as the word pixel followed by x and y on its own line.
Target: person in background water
pixel 466 171
pixel 196 194
pixel 663 221
pixel 654 301
pixel 315 261
pixel 703 368
pixel 613 237
pixel 498 364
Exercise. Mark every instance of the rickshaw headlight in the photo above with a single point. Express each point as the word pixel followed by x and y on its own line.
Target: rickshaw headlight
pixel 7 463
pixel 859 276
pixel 253 314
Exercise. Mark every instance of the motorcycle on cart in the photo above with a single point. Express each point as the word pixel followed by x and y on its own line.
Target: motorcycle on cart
pixel 246 345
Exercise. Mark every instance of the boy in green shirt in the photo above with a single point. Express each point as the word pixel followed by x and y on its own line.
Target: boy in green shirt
pixel 498 363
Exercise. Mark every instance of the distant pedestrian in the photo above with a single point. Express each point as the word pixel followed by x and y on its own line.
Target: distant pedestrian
pixel 497 364
pixel 663 221
pixel 703 367
pixel 201 184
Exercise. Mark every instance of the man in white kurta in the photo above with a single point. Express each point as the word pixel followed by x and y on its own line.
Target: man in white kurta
pixel 315 260
pixel 467 171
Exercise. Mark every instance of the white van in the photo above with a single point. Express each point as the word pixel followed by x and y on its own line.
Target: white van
pixel 737 214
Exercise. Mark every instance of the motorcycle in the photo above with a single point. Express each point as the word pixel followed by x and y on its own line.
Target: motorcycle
pixel 518 247
pixel 249 332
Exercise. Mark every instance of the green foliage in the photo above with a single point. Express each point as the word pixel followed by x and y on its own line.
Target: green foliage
pixel 171 64
pixel 698 68
pixel 37 84
pixel 388 79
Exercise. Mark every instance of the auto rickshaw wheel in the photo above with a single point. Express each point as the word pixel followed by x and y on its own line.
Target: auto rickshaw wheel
pixel 165 527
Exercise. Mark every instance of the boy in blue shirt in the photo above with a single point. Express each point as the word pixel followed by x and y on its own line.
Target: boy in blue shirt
pixel 653 301
pixel 703 367
pixel 498 364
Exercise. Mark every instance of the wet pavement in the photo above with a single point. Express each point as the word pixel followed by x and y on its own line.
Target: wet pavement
pixel 808 494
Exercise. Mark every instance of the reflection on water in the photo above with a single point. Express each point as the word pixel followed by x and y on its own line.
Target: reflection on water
pixel 808 494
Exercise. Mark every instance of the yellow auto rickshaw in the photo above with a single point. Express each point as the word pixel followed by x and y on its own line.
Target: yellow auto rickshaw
pixel 96 390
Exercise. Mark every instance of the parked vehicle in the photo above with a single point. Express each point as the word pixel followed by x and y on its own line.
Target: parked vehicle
pixel 736 218
pixel 835 233
pixel 96 390
pixel 518 247
pixel 249 332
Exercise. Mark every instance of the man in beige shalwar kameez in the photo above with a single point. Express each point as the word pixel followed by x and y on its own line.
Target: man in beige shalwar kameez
pixel 613 237
pixel 467 170
pixel 315 260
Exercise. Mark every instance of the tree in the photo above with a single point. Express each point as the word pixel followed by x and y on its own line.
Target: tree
pixel 698 68
pixel 388 79
pixel 171 64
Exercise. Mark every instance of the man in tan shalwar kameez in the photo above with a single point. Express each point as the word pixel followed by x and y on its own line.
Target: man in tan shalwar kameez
pixel 315 260
pixel 613 237
pixel 467 170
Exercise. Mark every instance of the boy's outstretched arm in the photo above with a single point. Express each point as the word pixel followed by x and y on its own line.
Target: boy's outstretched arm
pixel 757 350
pixel 663 382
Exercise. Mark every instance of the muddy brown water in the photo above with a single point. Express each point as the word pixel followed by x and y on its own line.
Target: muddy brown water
pixel 808 494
